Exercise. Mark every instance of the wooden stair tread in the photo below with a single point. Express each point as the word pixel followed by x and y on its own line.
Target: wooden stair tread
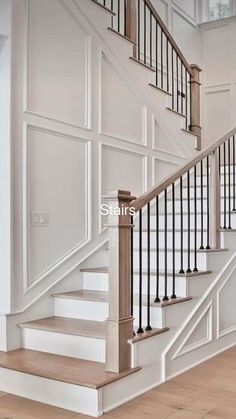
pixel 172 301
pixel 87 328
pixel 61 368
pixel 185 250
pixel 161 273
pixel 75 296
pixel 86 295
pixel 103 269
pixel 148 334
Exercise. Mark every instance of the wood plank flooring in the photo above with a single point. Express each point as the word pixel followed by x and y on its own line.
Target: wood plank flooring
pixel 207 391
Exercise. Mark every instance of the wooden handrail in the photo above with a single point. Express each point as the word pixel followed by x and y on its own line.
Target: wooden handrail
pixel 168 35
pixel 144 199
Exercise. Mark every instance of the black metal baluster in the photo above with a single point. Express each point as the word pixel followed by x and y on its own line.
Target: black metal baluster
pixel 132 267
pixel 156 53
pixel 220 174
pixel 208 206
pixel 181 93
pixel 195 269
pixel 118 16
pixel 173 241
pixel 140 329
pixel 150 39
pixel 157 299
pixel 186 97
pixel 165 298
pixel 181 271
pixel 225 203
pixel 145 34
pixel 173 77
pixel 234 185
pixel 139 30
pixel 167 66
pixel 190 102
pixel 162 70
pixel 112 18
pixel 177 82
pixel 202 218
pixel 229 182
pixel 148 327
pixel 189 225
pixel 125 28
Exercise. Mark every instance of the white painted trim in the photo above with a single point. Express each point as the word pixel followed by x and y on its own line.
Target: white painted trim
pixel 27 282
pixel 181 351
pixel 231 329
pixel 127 399
pixel 195 364
pixel 88 77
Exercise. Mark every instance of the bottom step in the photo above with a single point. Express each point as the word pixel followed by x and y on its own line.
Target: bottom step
pixel 60 381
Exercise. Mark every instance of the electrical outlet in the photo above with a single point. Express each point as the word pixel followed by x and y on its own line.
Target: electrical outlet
pixel 40 219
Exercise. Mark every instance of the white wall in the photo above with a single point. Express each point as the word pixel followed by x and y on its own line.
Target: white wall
pixel 219 78
pixel 80 128
pixel 181 17
pixel 5 155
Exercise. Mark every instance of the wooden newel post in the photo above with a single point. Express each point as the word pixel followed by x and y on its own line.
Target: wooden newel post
pixel 195 124
pixel 120 321
pixel 131 22
pixel 215 201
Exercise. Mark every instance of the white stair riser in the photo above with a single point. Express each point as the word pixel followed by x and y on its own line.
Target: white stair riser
pixel 82 347
pixel 169 239
pixel 81 309
pixel 201 258
pixel 95 281
pixel 180 285
pixel 54 393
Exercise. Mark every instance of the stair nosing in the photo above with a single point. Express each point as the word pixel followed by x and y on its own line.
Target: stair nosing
pixel 36 326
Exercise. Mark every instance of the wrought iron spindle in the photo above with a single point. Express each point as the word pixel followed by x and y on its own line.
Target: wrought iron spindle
pixel 208 204
pixel 181 271
pixel 165 298
pixel 234 184
pixel 189 224
pixel 181 93
pixel 195 269
pixel 173 78
pixel 177 82
pixel 167 66
pixel 186 98
pixel 173 241
pixel 156 53
pixel 118 16
pixel 139 29
pixel 150 39
pixel 132 267
pixel 145 34
pixel 140 328
pixel 229 183
pixel 162 69
pixel 148 327
pixel 225 203
pixel 202 218
pixel 157 299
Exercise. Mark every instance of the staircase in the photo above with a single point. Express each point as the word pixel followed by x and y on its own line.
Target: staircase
pixel 148 311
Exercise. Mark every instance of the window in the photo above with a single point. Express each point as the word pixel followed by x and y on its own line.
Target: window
pixel 219 9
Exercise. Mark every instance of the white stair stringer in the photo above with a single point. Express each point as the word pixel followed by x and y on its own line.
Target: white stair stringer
pixel 211 326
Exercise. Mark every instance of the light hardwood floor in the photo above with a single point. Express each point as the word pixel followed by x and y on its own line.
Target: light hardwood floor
pixel 207 391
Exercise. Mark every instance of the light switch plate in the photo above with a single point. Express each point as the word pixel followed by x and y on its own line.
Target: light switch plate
pixel 40 219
